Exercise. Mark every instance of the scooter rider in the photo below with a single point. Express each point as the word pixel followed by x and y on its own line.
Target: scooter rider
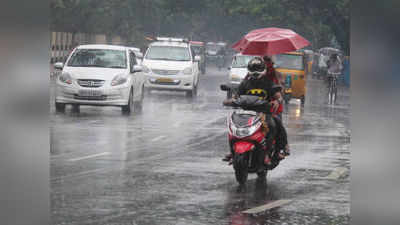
pixel 256 82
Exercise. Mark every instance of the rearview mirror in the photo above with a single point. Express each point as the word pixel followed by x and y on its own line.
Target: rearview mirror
pixel 58 65
pixel 224 87
pixel 197 58
pixel 136 68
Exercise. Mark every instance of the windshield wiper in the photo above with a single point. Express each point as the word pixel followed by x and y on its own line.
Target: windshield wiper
pixel 160 59
pixel 117 67
pixel 86 66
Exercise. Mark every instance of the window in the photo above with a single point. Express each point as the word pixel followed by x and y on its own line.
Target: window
pixel 241 61
pixel 132 59
pixel 168 53
pixel 98 58
pixel 287 61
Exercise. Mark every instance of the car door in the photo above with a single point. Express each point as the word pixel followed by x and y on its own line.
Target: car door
pixel 137 77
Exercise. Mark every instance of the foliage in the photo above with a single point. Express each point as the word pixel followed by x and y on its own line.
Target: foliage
pixel 207 20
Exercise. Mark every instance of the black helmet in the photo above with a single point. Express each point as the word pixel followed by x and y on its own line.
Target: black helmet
pixel 256 65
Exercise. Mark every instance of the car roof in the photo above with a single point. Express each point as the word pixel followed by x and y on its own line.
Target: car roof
pixel 170 43
pixel 96 46
pixel 197 43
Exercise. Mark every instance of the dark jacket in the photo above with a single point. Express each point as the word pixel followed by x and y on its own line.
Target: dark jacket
pixel 263 83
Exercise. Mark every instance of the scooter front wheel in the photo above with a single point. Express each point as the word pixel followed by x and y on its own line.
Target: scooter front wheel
pixel 241 166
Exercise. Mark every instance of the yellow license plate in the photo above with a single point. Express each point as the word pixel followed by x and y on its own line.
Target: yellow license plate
pixel 165 80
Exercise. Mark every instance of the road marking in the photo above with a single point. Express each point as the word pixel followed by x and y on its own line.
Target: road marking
pixel 268 206
pixel 337 173
pixel 158 138
pixel 89 156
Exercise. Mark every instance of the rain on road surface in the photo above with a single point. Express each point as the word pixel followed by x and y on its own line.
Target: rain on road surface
pixel 164 166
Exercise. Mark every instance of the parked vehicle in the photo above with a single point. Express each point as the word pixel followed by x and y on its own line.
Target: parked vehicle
pixel 169 64
pixel 293 67
pixel 100 75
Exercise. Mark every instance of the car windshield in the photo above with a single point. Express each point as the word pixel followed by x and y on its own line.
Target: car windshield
pixel 241 61
pixel 168 53
pixel 213 47
pixel 286 61
pixel 98 58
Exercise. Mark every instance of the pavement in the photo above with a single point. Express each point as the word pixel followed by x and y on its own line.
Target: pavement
pixel 163 166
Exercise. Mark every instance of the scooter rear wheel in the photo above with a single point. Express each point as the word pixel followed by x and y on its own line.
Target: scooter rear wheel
pixel 241 166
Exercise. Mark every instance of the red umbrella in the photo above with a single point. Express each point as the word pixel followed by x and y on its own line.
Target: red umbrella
pixel 270 41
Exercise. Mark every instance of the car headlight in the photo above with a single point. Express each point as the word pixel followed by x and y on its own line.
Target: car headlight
pixel 118 80
pixel 188 71
pixel 65 78
pixel 145 69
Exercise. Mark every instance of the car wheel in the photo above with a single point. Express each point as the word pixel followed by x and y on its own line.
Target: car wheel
pixel 76 108
pixel 60 107
pixel 127 109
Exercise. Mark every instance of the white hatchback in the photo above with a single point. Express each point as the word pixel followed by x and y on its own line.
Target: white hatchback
pixel 170 64
pixel 100 75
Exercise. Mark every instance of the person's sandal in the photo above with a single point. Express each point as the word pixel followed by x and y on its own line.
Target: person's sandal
pixel 284 152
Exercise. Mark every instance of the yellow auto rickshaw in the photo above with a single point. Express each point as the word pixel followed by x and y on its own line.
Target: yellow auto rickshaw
pixel 293 66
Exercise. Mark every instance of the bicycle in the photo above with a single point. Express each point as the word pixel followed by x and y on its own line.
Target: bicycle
pixel 332 87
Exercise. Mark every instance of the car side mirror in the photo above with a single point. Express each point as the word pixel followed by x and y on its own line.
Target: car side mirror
pixel 229 68
pixel 224 87
pixel 136 68
pixel 58 65
pixel 197 58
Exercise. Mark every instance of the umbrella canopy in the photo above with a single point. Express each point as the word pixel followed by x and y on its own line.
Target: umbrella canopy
pixel 270 41
pixel 329 51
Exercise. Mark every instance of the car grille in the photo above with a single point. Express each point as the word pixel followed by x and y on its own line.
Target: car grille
pixel 166 72
pixel 90 83
pixel 93 98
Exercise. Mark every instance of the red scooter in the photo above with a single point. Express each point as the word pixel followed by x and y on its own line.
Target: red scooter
pixel 247 134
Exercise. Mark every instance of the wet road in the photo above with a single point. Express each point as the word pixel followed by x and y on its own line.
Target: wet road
pixel 164 166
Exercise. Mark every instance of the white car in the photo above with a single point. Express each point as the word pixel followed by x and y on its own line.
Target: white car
pixel 169 64
pixel 100 75
pixel 237 70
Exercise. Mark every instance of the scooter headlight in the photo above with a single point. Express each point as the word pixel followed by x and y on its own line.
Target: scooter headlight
pixel 245 131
